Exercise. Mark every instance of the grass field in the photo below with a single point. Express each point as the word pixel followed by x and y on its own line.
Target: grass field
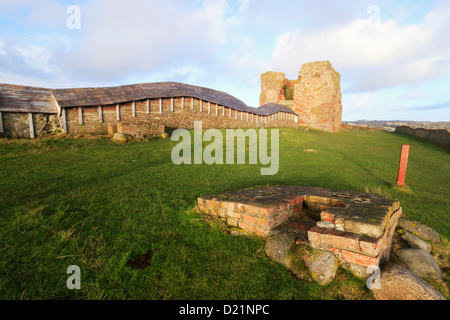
pixel 96 204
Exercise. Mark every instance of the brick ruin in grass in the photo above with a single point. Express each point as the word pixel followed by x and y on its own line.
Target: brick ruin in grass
pixel 359 226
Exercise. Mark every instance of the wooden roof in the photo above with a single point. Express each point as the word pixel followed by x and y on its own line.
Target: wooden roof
pixel 28 99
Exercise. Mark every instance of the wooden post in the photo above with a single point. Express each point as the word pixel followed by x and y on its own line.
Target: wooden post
pixel 1 123
pixel 31 124
pixel 402 166
pixel 64 119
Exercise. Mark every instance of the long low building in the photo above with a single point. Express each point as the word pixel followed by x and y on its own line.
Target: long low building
pixel 141 109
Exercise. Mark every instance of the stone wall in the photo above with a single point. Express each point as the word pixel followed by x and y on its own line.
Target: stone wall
pixel 170 113
pixel 317 98
pixel 272 87
pixel 17 125
pixel 316 95
pixel 356 227
pixel 438 136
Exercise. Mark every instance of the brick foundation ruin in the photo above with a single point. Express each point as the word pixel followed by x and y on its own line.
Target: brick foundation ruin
pixel 357 227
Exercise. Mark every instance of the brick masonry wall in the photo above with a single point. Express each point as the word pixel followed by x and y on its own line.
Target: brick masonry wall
pixel 252 218
pixel 352 247
pixel 171 113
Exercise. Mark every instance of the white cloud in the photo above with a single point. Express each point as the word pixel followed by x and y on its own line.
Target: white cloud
pixel 372 56
pixel 151 36
pixel 413 95
pixel 358 101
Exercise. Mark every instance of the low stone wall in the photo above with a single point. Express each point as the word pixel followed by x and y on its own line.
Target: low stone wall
pixel 168 112
pixel 356 227
pixel 252 217
pixel 438 136
pixel 140 129
pixel 346 126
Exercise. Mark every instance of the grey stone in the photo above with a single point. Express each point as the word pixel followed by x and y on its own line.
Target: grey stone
pixel 277 248
pixel 121 137
pixel 325 224
pixel 416 242
pixel 398 283
pixel 420 262
pixel 420 230
pixel 322 266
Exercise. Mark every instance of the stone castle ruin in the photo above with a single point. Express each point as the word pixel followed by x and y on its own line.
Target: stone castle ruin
pixel 315 96
pixel 148 109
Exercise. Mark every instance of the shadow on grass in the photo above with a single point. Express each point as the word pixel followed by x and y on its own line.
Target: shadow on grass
pixel 370 173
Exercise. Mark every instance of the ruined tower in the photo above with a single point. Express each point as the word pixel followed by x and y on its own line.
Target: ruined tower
pixel 315 96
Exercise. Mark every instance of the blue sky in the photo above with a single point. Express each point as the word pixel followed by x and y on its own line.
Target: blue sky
pixel 393 56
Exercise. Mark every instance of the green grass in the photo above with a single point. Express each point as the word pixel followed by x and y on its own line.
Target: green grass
pixel 95 204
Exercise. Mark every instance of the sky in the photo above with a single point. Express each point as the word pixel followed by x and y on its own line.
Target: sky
pixel 393 56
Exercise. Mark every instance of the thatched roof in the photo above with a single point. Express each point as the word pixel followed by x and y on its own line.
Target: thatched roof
pixel 29 99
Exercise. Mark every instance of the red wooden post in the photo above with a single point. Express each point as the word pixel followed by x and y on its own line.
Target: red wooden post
pixel 402 167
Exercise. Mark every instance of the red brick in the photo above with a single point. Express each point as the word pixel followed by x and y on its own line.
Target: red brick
pixel 337 252
pixel 228 205
pixel 370 246
pixel 261 231
pixel 314 234
pixel 249 219
pixel 239 207
pixel 325 216
pixel 360 259
pixel 339 239
pixel 283 216
pixel 210 203
pixel 252 209
pixel 234 214
pixel 294 201
pixel 265 222
pixel 246 226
